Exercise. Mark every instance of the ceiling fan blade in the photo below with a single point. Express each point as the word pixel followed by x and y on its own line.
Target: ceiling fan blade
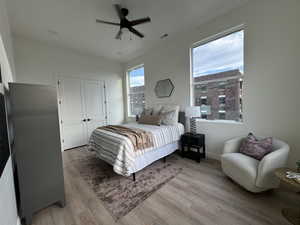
pixel 140 21
pixel 119 34
pixel 131 29
pixel 107 22
pixel 119 11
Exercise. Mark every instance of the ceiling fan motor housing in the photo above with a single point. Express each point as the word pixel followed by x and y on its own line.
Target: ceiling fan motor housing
pixel 125 11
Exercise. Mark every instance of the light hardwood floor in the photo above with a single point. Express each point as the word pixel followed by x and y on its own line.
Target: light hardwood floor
pixel 201 194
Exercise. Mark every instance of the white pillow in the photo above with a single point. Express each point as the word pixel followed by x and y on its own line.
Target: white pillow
pixel 168 118
pixel 171 114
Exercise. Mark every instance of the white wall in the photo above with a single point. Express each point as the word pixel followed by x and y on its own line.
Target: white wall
pixel 8 209
pixel 39 63
pixel 7 40
pixel 272 54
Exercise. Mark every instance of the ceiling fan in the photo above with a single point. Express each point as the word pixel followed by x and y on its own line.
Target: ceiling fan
pixel 124 23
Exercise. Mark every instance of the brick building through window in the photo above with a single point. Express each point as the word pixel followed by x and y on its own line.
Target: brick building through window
pixel 223 95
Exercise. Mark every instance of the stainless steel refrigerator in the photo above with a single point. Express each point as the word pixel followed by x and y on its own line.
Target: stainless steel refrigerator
pixel 36 148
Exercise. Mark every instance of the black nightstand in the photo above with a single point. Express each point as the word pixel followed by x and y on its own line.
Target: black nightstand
pixel 196 141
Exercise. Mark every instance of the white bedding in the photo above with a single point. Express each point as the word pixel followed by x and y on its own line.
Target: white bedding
pixel 118 150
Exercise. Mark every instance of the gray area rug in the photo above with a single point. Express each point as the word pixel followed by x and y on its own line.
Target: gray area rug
pixel 120 194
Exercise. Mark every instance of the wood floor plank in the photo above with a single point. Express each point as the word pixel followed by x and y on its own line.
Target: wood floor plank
pixel 88 200
pixel 232 203
pixel 200 194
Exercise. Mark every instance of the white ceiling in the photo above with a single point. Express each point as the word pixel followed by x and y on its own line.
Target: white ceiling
pixel 71 23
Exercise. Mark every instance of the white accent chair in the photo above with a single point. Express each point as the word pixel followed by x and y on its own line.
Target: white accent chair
pixel 255 176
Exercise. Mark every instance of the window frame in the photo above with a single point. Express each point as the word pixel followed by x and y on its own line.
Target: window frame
pixel 128 87
pixel 203 42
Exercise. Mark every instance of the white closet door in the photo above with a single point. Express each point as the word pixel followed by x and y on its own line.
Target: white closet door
pixel 72 112
pixel 94 100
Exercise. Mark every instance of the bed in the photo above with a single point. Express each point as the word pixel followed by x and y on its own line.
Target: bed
pixel 117 150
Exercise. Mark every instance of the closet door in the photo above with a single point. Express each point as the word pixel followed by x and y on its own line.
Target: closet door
pixel 72 112
pixel 94 101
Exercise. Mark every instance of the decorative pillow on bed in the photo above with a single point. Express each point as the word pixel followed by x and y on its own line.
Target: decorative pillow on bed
pixel 170 114
pixel 169 118
pixel 255 148
pixel 151 120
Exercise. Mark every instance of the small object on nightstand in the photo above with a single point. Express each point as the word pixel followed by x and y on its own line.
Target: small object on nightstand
pixel 193 141
pixel 193 112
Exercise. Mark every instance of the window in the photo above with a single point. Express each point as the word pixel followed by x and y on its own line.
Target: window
pixel 201 88
pixel 203 100
pixel 217 72
pixel 136 90
pixel 222 85
pixel 222 115
pixel 222 102
pixel 222 99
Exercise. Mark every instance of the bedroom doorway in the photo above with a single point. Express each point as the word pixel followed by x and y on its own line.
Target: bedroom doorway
pixel 82 109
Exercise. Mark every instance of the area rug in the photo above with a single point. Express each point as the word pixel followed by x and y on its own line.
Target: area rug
pixel 120 194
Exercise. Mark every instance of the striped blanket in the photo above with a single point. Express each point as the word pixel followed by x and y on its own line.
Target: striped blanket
pixel 119 151
pixel 139 138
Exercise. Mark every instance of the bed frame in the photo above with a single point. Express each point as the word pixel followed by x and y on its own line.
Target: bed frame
pixel 133 175
pixel 170 148
pixel 164 160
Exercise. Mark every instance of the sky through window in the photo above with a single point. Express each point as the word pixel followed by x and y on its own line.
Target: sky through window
pixel 223 54
pixel 136 77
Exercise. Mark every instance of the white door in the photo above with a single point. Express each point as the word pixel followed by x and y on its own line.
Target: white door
pixel 94 101
pixel 82 109
pixel 72 112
